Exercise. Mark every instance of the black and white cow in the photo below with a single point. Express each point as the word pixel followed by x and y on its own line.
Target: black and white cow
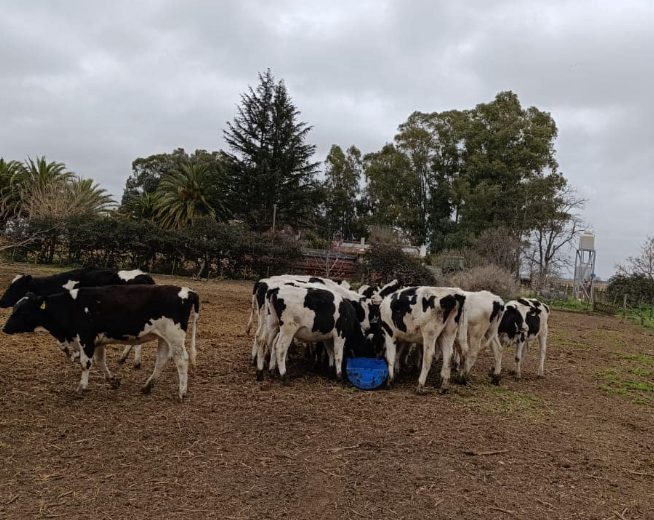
pixel 426 316
pixel 76 278
pixel 366 310
pixel 484 313
pixel 92 317
pixel 524 320
pixel 311 313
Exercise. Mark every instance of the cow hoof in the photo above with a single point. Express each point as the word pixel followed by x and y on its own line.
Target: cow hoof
pixel 259 375
pixel 115 382
pixel 146 389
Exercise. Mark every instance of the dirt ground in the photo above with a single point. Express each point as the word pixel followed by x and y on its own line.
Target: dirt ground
pixel 578 443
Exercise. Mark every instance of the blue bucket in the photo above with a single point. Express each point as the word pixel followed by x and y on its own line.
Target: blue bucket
pixel 367 373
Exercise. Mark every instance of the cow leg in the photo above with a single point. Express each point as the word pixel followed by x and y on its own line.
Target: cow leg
pixel 137 356
pixel 339 358
pixel 428 351
pixel 180 356
pixel 447 344
pixel 64 348
pixel 542 339
pixel 280 350
pixel 391 348
pixel 125 354
pixel 496 347
pixel 163 353
pixel 519 355
pixel 100 359
pixel 86 363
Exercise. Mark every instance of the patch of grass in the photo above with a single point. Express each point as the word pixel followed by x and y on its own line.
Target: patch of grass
pixel 631 383
pixel 503 401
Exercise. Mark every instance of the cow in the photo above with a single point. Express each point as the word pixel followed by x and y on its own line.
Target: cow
pixel 426 316
pixel 76 278
pixel 524 320
pixel 92 317
pixel 366 311
pixel 484 312
pixel 311 313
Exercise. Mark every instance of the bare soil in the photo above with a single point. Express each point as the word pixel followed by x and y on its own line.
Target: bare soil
pixel 575 444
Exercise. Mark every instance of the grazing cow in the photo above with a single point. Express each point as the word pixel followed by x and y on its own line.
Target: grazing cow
pixel 92 317
pixel 524 320
pixel 484 312
pixel 365 310
pixel 311 314
pixel 426 316
pixel 368 291
pixel 76 278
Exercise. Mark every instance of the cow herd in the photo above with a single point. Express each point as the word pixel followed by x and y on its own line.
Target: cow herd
pixel 387 322
pixel 87 309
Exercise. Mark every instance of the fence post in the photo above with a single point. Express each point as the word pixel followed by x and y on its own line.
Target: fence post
pixel 624 307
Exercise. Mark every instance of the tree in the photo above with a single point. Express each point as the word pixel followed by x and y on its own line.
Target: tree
pixel 391 190
pixel 65 198
pixel 643 263
pixel 556 225
pixel 184 196
pixel 343 171
pixel 270 158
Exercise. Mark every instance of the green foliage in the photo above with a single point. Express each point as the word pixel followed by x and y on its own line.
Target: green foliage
pixel 343 171
pixel 184 196
pixel 207 248
pixel 271 160
pixel 638 288
pixel 384 262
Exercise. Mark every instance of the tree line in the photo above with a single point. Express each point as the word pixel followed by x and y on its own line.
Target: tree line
pixel 446 179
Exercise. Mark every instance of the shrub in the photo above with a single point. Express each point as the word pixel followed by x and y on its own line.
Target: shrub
pixel 384 262
pixel 489 277
pixel 637 287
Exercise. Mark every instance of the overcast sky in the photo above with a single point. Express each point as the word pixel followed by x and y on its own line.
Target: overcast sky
pixel 97 84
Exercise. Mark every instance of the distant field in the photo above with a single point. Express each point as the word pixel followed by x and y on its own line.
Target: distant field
pixel 576 444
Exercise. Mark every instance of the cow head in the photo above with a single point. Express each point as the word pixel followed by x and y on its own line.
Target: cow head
pixel 27 315
pixel 18 288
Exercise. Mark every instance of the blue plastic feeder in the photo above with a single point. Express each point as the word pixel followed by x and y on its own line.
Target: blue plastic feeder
pixel 367 373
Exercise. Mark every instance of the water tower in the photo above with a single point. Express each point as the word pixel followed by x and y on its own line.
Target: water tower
pixel 585 267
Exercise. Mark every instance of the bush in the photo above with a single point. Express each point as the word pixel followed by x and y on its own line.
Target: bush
pixel 485 278
pixel 208 248
pixel 637 287
pixel 383 263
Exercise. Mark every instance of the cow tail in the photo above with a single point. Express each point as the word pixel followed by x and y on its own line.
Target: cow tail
pixel 196 312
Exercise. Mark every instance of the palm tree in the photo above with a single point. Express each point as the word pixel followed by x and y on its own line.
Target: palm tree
pixel 184 196
pixel 88 197
pixel 143 207
pixel 8 199
pixel 33 180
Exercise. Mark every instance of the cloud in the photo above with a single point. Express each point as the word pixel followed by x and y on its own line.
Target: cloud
pixel 96 85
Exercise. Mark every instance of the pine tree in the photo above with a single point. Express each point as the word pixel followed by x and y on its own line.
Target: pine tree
pixel 270 158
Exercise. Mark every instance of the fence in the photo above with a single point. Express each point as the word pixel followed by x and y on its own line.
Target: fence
pixel 326 262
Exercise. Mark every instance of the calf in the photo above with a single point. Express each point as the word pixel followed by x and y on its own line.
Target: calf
pixel 426 316
pixel 76 278
pixel 484 312
pixel 90 318
pixel 312 314
pixel 366 311
pixel 525 320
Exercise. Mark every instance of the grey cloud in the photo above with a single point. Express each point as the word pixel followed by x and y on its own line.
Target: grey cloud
pixel 96 85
